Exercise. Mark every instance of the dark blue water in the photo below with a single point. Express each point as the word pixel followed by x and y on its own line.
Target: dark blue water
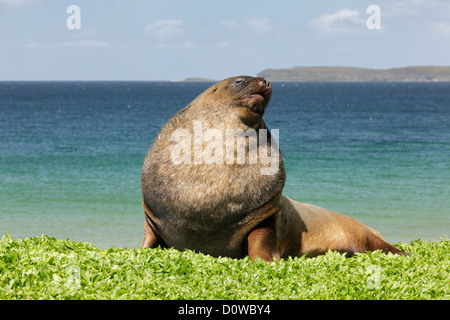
pixel 71 154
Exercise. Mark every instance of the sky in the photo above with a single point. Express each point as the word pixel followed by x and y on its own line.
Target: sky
pixel 177 39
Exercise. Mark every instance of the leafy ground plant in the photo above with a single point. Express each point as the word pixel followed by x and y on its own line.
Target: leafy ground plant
pixel 48 268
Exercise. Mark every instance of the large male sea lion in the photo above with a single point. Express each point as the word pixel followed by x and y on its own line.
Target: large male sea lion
pixel 213 179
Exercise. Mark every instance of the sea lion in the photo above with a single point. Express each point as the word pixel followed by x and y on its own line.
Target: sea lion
pixel 213 179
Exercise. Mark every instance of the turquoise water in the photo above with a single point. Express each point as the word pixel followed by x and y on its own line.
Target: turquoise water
pixel 71 154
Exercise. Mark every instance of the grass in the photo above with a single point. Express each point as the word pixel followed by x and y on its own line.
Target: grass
pixel 47 268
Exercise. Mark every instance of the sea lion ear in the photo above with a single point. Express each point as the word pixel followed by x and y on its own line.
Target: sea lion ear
pixel 213 90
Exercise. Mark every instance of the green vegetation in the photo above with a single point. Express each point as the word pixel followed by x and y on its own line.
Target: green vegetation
pixel 47 268
pixel 419 73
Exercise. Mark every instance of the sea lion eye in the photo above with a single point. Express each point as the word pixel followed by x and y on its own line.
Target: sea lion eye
pixel 238 83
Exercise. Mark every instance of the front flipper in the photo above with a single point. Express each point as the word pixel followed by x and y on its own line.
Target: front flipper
pixel 262 241
pixel 151 237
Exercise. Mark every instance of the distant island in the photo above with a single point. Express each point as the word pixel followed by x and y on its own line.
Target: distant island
pixel 198 79
pixel 416 73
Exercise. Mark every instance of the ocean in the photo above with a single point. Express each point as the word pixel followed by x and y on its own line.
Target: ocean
pixel 71 154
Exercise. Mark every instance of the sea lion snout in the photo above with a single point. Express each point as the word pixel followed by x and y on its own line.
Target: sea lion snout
pixel 264 88
pixel 266 83
pixel 255 93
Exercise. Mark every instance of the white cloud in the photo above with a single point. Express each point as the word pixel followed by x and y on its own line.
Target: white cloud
pixel 222 44
pixel 189 45
pixel 441 30
pixel 228 23
pixel 165 29
pixel 259 24
pixel 18 3
pixel 340 21
pixel 10 3
pixel 85 43
pixel 86 32
pixel 31 45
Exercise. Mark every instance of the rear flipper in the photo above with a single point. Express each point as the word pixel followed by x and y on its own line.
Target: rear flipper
pixel 377 243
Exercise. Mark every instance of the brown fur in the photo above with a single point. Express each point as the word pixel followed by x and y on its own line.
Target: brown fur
pixel 309 229
pixel 231 209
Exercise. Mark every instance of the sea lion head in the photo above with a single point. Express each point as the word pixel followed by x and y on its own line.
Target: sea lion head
pixel 249 96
